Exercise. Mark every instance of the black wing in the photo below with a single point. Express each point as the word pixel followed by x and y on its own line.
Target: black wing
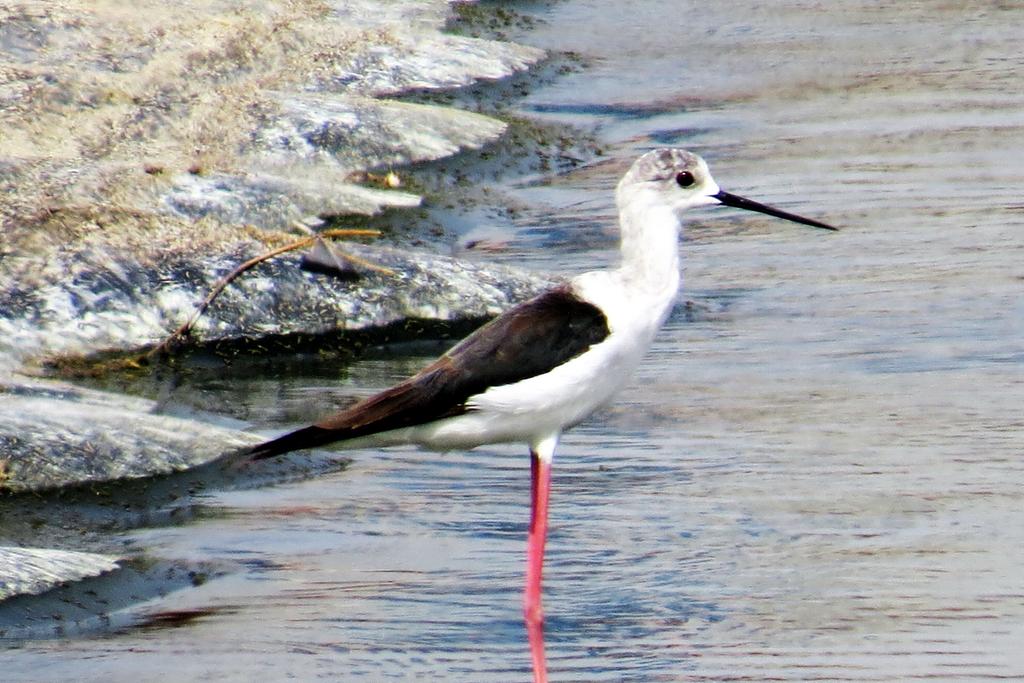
pixel 526 341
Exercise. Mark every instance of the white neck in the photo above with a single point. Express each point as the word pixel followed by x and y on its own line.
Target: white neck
pixel 650 247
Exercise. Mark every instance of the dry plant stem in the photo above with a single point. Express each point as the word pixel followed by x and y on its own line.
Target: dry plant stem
pixel 352 257
pixel 186 327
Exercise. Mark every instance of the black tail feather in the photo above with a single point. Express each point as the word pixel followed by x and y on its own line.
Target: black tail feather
pixel 307 437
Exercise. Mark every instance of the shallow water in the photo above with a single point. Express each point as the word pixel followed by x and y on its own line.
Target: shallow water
pixel 817 474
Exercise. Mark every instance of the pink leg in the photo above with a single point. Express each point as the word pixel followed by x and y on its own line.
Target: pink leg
pixel 540 489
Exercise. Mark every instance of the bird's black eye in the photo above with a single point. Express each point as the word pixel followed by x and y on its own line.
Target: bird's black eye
pixel 684 179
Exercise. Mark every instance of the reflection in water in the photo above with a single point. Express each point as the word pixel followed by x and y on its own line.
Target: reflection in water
pixel 535 636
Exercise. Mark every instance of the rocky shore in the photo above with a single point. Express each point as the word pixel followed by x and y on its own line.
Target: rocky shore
pixel 147 150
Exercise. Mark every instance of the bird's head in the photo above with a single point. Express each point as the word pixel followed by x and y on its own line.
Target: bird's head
pixel 681 180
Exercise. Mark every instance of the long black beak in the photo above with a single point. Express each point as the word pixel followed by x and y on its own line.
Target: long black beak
pixel 742 203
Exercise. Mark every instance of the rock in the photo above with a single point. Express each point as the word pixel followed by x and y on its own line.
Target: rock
pixel 142 143
pixel 409 62
pixel 278 198
pixel 103 298
pixel 55 435
pixel 107 104
pixel 301 158
pixel 30 571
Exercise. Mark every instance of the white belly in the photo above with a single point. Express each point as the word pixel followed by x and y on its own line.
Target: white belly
pixel 547 404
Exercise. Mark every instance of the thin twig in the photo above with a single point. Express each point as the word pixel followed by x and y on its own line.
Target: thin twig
pixel 186 327
pixel 95 369
pixel 358 260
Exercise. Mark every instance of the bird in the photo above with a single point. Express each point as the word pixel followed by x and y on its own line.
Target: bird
pixel 548 363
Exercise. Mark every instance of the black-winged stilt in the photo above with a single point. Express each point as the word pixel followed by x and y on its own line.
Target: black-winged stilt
pixel 548 363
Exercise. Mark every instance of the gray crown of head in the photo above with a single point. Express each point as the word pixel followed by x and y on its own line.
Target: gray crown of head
pixel 662 164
